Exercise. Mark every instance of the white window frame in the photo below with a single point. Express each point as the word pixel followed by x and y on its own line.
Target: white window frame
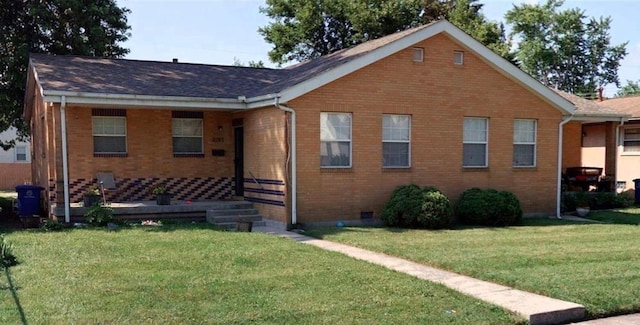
pixel 534 143
pixel 407 141
pixel 349 141
pixel 26 153
pixel 94 134
pixel 458 57
pixel 624 140
pixel 485 142
pixel 201 136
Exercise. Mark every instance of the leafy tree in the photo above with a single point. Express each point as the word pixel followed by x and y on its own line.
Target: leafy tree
pixel 630 89
pixel 251 64
pixel 305 29
pixel 79 27
pixel 565 49
pixel 467 15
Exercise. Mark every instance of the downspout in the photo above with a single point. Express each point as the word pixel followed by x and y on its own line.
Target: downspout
pixel 294 179
pixel 559 181
pixel 615 176
pixel 65 163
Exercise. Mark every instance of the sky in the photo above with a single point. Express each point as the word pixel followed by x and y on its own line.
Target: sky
pixel 220 31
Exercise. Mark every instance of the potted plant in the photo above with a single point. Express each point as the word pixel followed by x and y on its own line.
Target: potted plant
pixel 91 196
pixel 162 194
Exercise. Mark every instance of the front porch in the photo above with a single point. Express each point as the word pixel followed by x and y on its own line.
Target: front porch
pixel 224 213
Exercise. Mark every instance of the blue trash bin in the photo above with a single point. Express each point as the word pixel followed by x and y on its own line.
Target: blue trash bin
pixel 636 185
pixel 28 200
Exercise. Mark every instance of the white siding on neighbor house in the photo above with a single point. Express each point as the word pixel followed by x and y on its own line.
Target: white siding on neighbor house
pixel 20 153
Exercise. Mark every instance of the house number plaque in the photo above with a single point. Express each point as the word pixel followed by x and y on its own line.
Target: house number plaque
pixel 218 140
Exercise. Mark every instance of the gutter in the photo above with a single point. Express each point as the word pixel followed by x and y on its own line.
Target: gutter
pixel 294 179
pixel 65 162
pixel 559 180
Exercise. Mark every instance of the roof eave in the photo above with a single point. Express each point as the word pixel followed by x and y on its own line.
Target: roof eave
pixel 601 117
pixel 144 101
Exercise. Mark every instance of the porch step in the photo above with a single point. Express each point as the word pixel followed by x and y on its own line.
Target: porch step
pixel 227 217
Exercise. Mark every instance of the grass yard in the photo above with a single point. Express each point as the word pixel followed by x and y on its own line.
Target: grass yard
pixel 597 265
pixel 194 274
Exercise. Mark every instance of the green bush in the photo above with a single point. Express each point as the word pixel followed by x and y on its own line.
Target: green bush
pixel 52 225
pixel 7 259
pixel 436 210
pixel 6 206
pixel 595 200
pixel 403 207
pixel 488 208
pixel 99 215
pixel 410 206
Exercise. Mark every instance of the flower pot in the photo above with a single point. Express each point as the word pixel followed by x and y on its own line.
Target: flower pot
pixel 163 199
pixel 582 212
pixel 89 200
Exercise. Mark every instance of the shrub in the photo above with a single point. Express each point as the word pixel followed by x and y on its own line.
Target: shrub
pixel 99 215
pixel 436 209
pixel 52 225
pixel 7 259
pixel 595 200
pixel 410 206
pixel 403 207
pixel 488 208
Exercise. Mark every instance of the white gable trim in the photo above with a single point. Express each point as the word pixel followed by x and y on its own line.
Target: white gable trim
pixel 458 35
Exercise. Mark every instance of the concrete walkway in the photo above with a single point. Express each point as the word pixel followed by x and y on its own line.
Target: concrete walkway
pixel 535 308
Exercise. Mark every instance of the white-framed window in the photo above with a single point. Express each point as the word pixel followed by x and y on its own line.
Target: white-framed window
pixel 458 57
pixel 631 140
pixel 335 140
pixel 396 141
pixel 109 134
pixel 475 142
pixel 187 136
pixel 524 143
pixel 21 153
pixel 418 54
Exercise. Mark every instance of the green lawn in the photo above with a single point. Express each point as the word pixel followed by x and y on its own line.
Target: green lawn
pixel 194 274
pixel 597 265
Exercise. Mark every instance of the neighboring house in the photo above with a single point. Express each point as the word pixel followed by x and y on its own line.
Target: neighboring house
pixel 15 167
pixel 320 141
pixel 626 138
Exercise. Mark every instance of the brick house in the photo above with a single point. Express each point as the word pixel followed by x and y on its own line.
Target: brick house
pixel 15 168
pixel 320 141
pixel 626 136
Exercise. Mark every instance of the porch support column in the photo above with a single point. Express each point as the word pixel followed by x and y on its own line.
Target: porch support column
pixel 610 152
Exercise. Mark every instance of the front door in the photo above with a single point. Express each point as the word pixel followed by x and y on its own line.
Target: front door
pixel 238 137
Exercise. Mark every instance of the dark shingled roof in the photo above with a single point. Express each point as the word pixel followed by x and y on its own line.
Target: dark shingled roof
pixel 135 77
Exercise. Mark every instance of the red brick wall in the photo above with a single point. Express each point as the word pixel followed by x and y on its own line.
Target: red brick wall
pixel 437 94
pixel 572 145
pixel 149 146
pixel 14 174
pixel 265 154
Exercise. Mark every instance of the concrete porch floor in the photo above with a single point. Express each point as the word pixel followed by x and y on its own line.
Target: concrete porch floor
pixel 190 210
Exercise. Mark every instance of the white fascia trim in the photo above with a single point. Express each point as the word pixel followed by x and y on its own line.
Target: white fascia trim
pixel 600 118
pixel 482 51
pixel 83 98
